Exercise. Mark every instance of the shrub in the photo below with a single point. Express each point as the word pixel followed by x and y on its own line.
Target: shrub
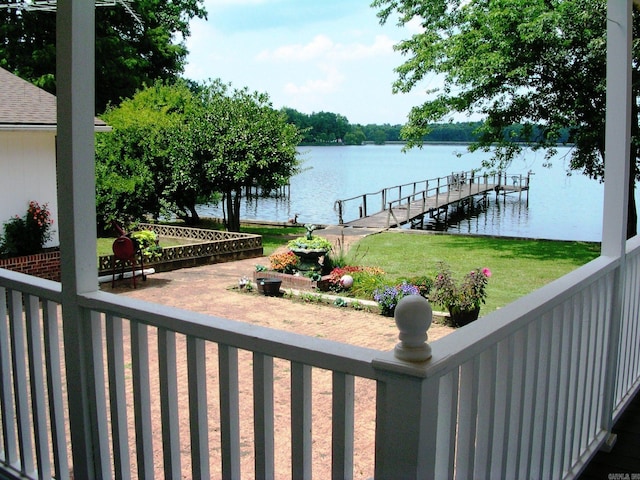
pixel 366 281
pixel 337 256
pixel 27 235
pixel 147 242
pixel 337 273
pixel 286 262
pixel 424 284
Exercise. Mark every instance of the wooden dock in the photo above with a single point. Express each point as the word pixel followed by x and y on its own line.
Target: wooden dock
pixel 412 202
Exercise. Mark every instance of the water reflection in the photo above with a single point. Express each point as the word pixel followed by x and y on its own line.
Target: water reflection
pixel 495 217
pixel 558 207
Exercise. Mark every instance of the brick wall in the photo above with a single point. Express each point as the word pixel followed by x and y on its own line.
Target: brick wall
pixel 44 265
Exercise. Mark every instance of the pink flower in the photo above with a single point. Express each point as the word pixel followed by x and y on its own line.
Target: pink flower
pixel 486 272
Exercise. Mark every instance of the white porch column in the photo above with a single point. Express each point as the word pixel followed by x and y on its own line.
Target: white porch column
pixel 616 186
pixel 618 127
pixel 75 74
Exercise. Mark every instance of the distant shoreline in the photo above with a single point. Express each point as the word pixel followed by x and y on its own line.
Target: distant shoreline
pixel 402 142
pixel 368 142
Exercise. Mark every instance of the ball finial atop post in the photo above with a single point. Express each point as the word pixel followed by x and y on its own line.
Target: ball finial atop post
pixel 413 317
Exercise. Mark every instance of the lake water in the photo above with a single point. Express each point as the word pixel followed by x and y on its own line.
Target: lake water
pixel 559 206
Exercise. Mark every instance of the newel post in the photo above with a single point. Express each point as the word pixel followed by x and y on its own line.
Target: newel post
pixel 407 399
pixel 413 317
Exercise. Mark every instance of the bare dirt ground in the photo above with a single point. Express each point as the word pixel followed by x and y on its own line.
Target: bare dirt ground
pixel 209 290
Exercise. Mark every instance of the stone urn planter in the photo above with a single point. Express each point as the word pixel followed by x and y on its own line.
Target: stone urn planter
pixel 309 249
pixel 309 258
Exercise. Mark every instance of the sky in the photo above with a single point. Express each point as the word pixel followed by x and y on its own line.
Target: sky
pixel 310 55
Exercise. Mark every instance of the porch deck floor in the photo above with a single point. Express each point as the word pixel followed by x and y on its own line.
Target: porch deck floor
pixel 623 462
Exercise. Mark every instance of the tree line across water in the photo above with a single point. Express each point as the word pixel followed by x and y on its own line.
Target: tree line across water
pixel 327 128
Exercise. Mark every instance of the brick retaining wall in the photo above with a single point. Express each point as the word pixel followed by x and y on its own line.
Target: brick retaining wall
pixel 44 265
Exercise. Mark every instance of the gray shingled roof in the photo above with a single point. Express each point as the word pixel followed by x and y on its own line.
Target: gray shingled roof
pixel 23 105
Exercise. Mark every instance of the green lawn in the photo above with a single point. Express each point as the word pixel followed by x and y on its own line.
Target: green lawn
pixel 518 266
pixel 274 237
pixel 105 244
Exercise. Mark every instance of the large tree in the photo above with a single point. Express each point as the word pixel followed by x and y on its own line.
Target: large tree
pixel 145 165
pixel 538 63
pixel 173 148
pixel 133 48
pixel 243 142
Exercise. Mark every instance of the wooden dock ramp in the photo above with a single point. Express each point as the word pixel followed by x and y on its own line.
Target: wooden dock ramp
pixel 411 202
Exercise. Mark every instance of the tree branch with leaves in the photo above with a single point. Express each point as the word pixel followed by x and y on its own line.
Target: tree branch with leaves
pixel 539 64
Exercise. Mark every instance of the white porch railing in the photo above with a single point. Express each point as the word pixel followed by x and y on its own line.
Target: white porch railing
pixel 520 394
pixel 628 372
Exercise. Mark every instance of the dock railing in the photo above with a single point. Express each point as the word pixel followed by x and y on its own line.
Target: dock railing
pixel 364 205
pixel 527 391
pixel 440 194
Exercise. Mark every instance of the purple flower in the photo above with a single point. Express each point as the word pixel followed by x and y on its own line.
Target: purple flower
pixel 389 297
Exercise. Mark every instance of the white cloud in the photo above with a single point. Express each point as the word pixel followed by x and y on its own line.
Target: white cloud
pixel 319 47
pixel 415 25
pixel 329 83
pixel 201 55
pixel 382 45
pixel 322 47
pixel 339 62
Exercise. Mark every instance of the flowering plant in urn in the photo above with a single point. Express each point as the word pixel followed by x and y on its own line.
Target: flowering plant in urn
pixel 309 241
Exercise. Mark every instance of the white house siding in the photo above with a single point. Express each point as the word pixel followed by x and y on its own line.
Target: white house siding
pixel 28 172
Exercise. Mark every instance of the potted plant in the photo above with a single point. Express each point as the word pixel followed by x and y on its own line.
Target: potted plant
pixel 462 299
